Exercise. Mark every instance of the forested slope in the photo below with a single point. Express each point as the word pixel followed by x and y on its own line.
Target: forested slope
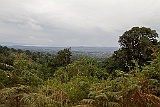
pixel 129 78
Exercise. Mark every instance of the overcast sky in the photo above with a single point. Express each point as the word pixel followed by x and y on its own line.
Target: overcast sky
pixel 74 22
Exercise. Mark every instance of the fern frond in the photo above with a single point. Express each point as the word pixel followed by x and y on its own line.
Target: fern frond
pixel 135 98
pixel 38 100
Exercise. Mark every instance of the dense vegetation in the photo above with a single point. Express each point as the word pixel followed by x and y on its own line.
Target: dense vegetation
pixel 129 78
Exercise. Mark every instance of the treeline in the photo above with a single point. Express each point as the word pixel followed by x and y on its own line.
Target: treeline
pixel 129 78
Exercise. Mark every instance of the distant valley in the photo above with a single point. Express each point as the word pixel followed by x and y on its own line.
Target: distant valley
pixel 99 53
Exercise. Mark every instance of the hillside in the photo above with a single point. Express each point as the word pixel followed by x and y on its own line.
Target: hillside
pixel 130 77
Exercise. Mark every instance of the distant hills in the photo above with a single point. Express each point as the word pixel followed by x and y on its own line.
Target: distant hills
pixel 47 48
pixel 81 48
pixel 94 52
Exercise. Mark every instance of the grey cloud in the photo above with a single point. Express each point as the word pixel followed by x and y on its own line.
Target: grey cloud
pixel 74 22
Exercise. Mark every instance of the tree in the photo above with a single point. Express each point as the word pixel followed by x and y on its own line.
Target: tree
pixel 136 44
pixel 61 60
pixel 118 61
pixel 64 57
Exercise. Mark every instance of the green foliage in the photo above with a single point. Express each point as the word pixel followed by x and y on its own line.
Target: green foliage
pixel 62 59
pixel 38 100
pixel 82 67
pixel 77 89
pixel 24 96
pixel 4 66
pixel 153 70
pixel 136 44
pixel 7 79
pixel 127 79
pixel 27 72
pixel 122 89
pixel 10 97
pixel 117 61
pixel 135 98
pixel 69 93
pixel 53 89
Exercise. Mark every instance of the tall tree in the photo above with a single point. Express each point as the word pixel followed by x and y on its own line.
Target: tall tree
pixel 64 57
pixel 135 44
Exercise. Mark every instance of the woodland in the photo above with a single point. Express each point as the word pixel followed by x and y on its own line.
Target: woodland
pixel 129 78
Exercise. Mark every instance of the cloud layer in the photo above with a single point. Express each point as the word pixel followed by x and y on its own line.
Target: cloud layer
pixel 74 22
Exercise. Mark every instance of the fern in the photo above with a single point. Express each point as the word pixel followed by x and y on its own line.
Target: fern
pixel 103 99
pixel 24 96
pixel 138 99
pixel 4 66
pixel 38 100
pixel 11 96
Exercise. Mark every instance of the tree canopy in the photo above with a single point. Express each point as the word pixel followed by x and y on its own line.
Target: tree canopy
pixel 137 44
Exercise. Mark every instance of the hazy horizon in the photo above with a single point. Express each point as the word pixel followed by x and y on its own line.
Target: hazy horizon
pixel 11 44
